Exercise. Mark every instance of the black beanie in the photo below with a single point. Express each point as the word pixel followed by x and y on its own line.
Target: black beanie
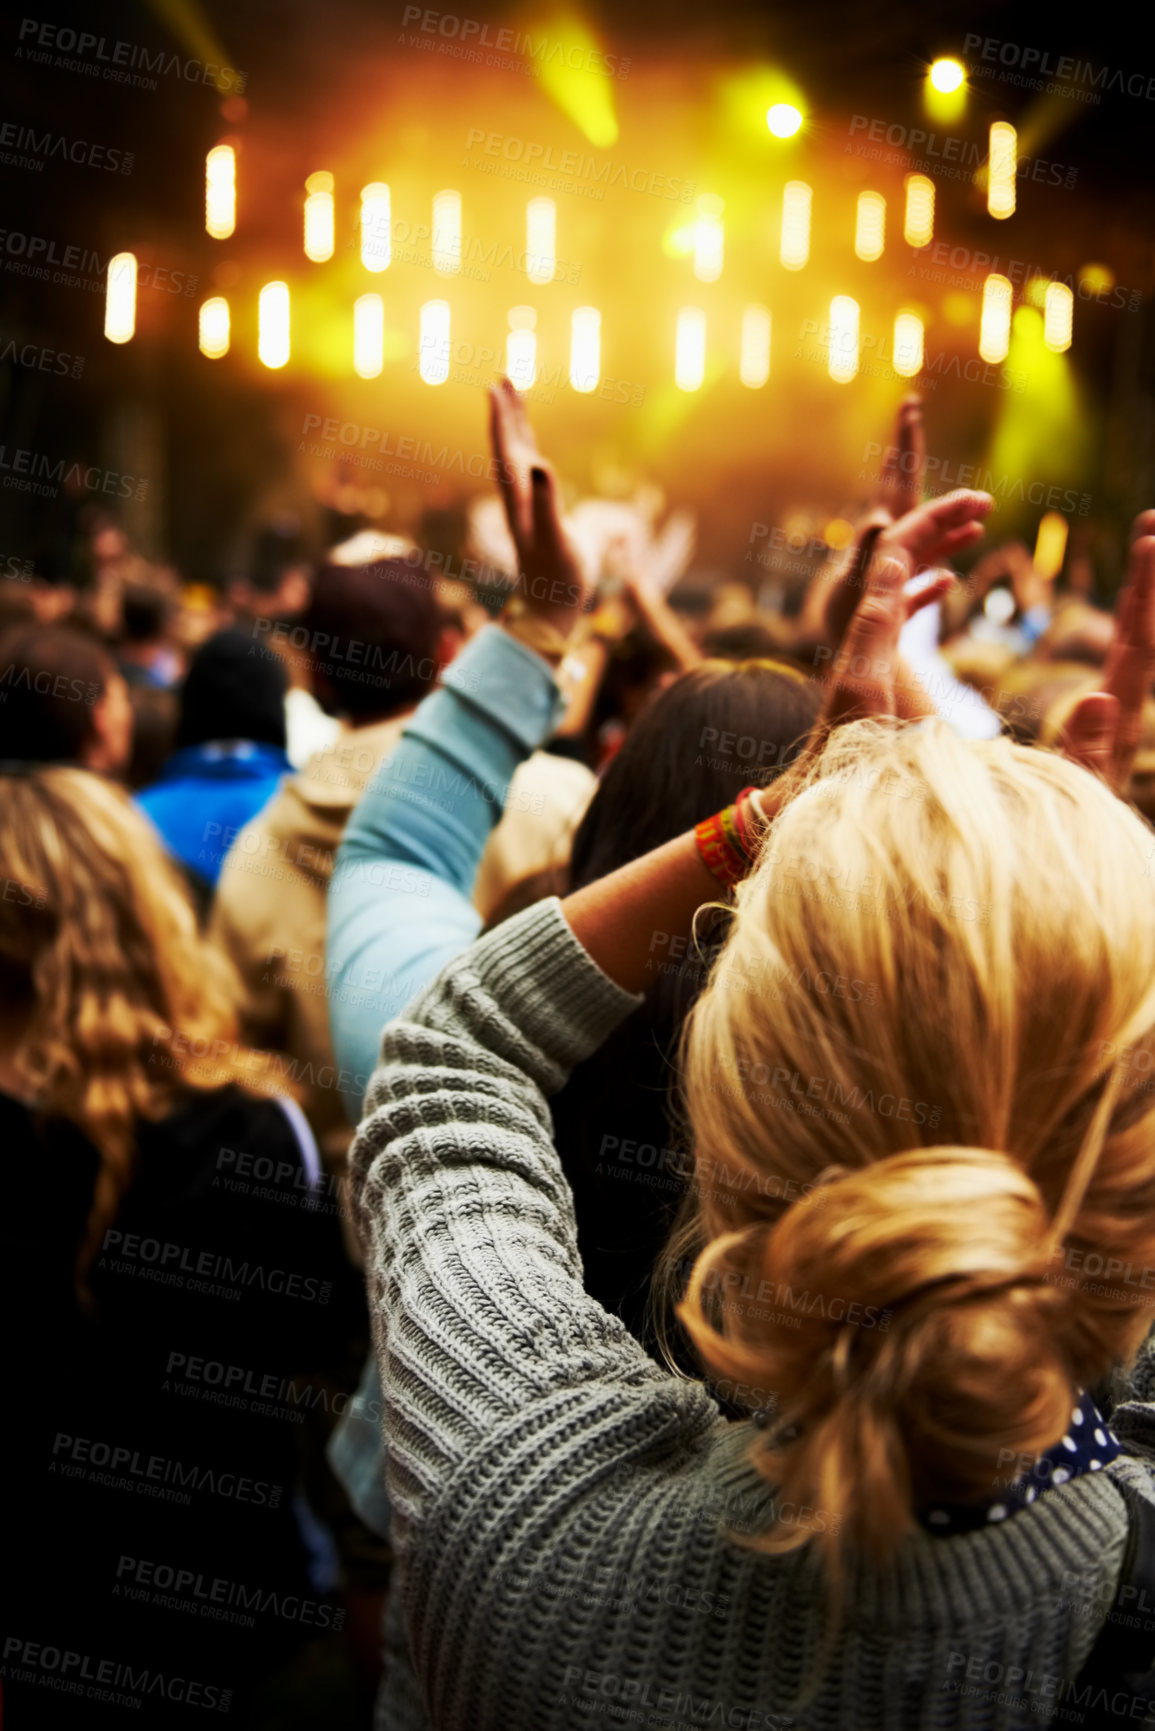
pixel 235 689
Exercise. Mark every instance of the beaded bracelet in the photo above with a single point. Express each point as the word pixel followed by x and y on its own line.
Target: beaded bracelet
pixel 726 842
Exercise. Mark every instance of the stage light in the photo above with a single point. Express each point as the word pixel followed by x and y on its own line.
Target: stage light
pixel 995 330
pixel 1058 316
pixel 838 533
pixel 221 191
pixel 273 324
pixel 918 228
pixel 585 349
pixel 908 345
pixel 435 342
pixel 1001 170
pixel 690 352
pixel 708 238
pixel 1050 545
pixel 1097 279
pixel 368 336
pixel 843 339
pixel 376 221
pixel 796 196
pixel 1035 292
pixel 120 298
pixel 783 119
pixel 946 76
pixel 870 229
pixel 521 348
pixel 319 217
pixel 755 367
pixel 213 327
pixel 541 240
pixel 447 233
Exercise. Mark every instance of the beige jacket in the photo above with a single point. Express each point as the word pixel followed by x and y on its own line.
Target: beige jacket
pixel 269 909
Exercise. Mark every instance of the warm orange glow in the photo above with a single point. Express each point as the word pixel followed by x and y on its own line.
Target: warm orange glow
pixel 319 220
pixel 918 229
pixel 368 336
pixel 273 325
pixel 221 191
pixel 870 231
pixel 1002 169
pixel 376 227
pixel 995 330
pixel 585 357
pixel 690 350
pixel 795 251
pixel 213 327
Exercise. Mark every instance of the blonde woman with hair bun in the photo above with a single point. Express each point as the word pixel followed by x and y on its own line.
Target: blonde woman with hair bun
pixel 919 1248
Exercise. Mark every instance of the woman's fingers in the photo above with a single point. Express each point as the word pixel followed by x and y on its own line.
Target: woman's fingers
pixel 863 676
pixel 941 526
pixel 1089 736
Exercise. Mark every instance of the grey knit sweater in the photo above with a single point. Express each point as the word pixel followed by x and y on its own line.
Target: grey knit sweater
pixel 564 1510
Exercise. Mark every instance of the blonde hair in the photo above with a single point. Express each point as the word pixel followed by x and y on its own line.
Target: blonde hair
pixel 126 1007
pixel 909 1088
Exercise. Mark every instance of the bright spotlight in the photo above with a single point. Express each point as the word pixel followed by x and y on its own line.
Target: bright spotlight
pixel 783 119
pixel 995 330
pixel 120 298
pixel 541 240
pixel 795 249
pixel 946 76
pixel 843 364
pixel 585 349
pixel 273 324
pixel 368 336
pixel 434 364
pixel 376 221
pixel 690 352
pixel 755 363
pixel 214 327
pixel 221 191
pixel 319 217
pixel 1059 308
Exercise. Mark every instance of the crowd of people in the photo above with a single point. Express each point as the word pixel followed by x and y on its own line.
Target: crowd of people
pixel 605 1131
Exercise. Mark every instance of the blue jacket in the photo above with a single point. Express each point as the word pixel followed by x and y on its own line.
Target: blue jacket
pixel 205 796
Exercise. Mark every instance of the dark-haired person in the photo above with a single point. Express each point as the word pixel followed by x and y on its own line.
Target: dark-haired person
pixel 230 754
pixel 62 700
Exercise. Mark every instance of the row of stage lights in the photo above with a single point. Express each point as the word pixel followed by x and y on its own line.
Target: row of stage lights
pixel 540 263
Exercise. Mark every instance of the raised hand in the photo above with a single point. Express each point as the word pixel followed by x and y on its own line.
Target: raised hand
pixel 900 489
pixel 550 581
pixel 1104 728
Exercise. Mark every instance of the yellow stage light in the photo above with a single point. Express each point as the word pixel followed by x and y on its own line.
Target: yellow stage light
pixel 214 327
pixel 1050 545
pixel 995 330
pixel 221 191
pixel 755 367
pixel 521 348
pixel 1097 279
pixel 708 239
pixel 541 240
pixel 918 229
pixel 796 197
pixel 120 298
pixel 585 349
pixel 946 76
pixel 368 336
pixel 1002 169
pixel 838 533
pixel 1058 317
pixel 273 324
pixel 843 339
pixel 908 345
pixel 434 364
pixel 447 233
pixel 870 229
pixel 376 222
pixel 690 352
pixel 783 119
pixel 319 217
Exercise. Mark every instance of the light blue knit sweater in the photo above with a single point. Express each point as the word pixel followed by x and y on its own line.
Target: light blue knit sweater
pixel 561 1504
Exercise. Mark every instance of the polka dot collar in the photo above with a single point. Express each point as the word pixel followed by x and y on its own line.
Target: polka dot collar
pixel 1087 1447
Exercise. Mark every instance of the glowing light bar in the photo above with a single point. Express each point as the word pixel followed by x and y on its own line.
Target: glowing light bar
pixel 319 222
pixel 1057 317
pixel 708 238
pixel 843 339
pixel 368 336
pixel 908 345
pixel 783 119
pixel 690 350
pixel 918 229
pixel 540 241
pixel 213 327
pixel 376 219
pixel 795 250
pixel 447 233
pixel 221 191
pixel 946 76
pixel 755 365
pixel 585 349
pixel 521 358
pixel 273 324
pixel 870 229
pixel 434 365
pixel 995 330
pixel 1002 169
pixel 120 298
pixel 1050 545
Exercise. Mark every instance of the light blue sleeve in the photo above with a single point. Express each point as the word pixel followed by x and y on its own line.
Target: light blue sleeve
pixel 399 902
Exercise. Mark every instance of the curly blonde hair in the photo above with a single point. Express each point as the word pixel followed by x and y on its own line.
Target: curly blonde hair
pixel 123 1006
pixel 943 1143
